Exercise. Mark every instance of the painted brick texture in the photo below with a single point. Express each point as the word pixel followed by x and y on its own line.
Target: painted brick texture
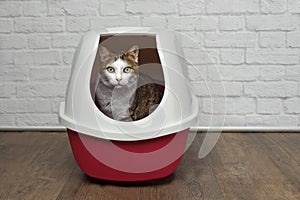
pixel 244 56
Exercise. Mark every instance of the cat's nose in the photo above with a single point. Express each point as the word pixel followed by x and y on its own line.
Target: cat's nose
pixel 118 79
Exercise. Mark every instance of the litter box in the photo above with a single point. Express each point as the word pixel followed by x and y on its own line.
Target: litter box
pixel 147 149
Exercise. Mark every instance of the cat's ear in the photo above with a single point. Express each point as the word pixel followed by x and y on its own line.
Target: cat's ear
pixel 104 53
pixel 134 51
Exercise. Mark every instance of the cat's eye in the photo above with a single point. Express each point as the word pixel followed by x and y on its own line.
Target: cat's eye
pixel 110 69
pixel 127 69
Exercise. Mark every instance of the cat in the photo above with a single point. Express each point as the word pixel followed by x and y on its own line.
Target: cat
pixel 123 93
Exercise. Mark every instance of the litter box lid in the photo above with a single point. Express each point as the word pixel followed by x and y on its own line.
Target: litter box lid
pixel 178 109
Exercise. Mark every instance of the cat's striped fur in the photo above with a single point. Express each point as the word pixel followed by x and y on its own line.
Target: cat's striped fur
pixel 123 95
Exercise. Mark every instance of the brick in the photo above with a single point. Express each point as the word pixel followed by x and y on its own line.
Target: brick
pixel 62 73
pixel 41 73
pixel 10 9
pixel 191 7
pixel 234 120
pixel 39 25
pixel 35 8
pixel 71 8
pixel 240 39
pixel 41 90
pixel 12 41
pixel 272 22
pixel 67 56
pixel 150 6
pixel 48 57
pixel 6 57
pixel 232 23
pixel 14 73
pixel 232 6
pixel 192 39
pixel 206 89
pixel 233 73
pixel 282 120
pixel 221 120
pixel 7 119
pixel 286 56
pixel 293 39
pixel 6 25
pixel 270 89
pixel 103 22
pixel 207 23
pixel 271 120
pixel 292 73
pixel 183 23
pixel 253 120
pixel 271 72
pixel 197 72
pixel 159 22
pixel 24 57
pixel 292 106
pixel 13 105
pixel 39 106
pixel 273 6
pixel 108 7
pixel 240 105
pixel 232 56
pixel 39 42
pixel 228 105
pixel 55 103
pixel 211 120
pixel 199 56
pixel 269 106
pixel 37 57
pixel 37 120
pixel 65 40
pixel 213 105
pixel 272 39
pixel 294 6
pixel 78 24
pixel 7 90
pixel 35 76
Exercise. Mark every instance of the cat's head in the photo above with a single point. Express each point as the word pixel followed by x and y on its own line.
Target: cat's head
pixel 119 69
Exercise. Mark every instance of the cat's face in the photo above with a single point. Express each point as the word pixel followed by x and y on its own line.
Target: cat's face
pixel 119 70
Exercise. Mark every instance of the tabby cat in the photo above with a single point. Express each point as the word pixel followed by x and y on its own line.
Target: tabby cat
pixel 122 92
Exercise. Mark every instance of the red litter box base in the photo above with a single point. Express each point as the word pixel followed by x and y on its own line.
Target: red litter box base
pixel 98 169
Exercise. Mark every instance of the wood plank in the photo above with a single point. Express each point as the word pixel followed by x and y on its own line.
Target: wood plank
pixel 283 152
pixel 72 185
pixel 193 179
pixel 244 171
pixel 36 164
pixel 241 166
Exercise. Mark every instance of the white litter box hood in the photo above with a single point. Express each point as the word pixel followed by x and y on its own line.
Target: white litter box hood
pixel 177 111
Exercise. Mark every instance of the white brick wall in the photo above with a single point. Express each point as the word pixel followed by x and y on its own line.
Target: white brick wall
pixel 249 48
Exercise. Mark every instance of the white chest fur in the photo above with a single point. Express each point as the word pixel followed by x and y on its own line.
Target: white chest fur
pixel 116 101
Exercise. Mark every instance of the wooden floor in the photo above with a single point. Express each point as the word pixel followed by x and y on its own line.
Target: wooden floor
pixel 241 166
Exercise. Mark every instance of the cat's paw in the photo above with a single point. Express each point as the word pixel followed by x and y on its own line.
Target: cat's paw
pixel 127 119
pixel 153 107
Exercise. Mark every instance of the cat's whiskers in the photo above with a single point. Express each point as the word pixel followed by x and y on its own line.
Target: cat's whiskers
pixel 117 93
